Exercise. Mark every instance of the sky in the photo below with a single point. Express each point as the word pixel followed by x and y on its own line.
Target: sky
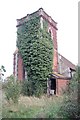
pixel 64 12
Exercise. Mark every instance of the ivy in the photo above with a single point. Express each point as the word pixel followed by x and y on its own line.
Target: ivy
pixel 36 48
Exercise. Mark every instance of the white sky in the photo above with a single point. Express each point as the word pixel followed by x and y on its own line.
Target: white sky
pixel 64 12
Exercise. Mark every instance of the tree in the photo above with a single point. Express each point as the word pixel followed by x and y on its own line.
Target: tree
pixel 12 89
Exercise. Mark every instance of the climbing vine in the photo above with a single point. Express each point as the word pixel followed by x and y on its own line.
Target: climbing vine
pixel 36 48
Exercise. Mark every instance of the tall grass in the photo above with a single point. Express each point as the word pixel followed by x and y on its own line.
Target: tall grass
pixel 33 107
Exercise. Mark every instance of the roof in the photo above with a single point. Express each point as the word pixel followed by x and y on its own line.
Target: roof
pixel 59 76
pixel 34 13
pixel 67 62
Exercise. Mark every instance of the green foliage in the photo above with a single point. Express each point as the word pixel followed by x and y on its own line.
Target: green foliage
pixel 36 48
pixel 39 89
pixel 70 107
pixel 27 88
pixel 12 90
pixel 33 107
pixel 21 112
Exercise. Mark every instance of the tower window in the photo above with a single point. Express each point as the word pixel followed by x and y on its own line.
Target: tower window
pixel 50 33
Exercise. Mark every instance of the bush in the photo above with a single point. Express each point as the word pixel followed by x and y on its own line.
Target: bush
pixel 12 90
pixel 39 90
pixel 70 108
pixel 27 88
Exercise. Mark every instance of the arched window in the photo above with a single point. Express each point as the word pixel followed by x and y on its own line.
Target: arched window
pixel 50 33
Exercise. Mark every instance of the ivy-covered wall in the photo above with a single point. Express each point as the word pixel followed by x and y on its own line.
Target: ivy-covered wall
pixel 36 48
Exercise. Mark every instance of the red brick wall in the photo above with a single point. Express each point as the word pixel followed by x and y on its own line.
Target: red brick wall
pixel 52 26
pixel 54 37
pixel 55 61
pixel 20 68
pixel 61 85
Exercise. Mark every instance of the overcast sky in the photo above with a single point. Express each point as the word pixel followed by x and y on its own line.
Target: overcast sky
pixel 64 12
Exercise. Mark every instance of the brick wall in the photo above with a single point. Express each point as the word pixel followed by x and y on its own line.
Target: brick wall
pixel 20 68
pixel 54 38
pixel 61 85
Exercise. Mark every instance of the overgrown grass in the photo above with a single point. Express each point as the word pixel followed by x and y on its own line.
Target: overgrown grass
pixel 65 106
pixel 19 112
pixel 32 107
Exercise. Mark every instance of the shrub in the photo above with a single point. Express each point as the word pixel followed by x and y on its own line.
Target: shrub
pixel 27 88
pixel 70 108
pixel 39 90
pixel 12 90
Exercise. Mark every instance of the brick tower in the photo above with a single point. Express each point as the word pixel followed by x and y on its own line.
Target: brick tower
pixel 18 69
pixel 62 68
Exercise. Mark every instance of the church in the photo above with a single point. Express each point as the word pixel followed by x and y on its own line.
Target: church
pixel 63 69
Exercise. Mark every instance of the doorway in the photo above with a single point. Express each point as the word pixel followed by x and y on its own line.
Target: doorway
pixel 53 85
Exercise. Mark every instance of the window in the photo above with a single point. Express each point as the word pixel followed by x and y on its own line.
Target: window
pixel 50 33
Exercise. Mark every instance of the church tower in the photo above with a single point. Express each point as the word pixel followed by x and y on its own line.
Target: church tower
pixel 63 69
pixel 45 19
